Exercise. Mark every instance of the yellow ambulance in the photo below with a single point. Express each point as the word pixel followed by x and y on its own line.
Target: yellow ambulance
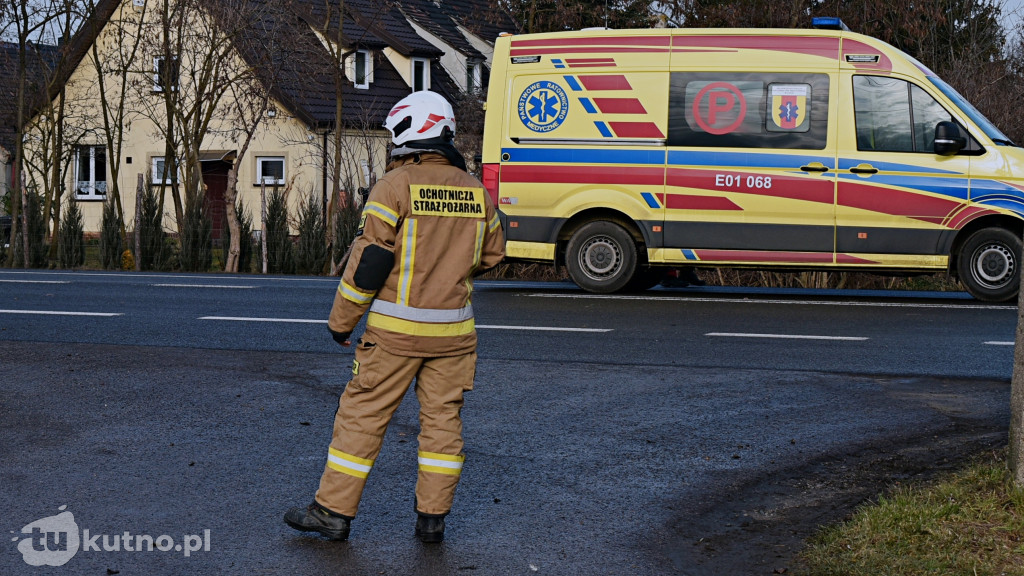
pixel 618 153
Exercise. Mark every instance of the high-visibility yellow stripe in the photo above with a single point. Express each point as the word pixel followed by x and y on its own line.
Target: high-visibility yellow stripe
pixel 381 211
pixel 348 464
pixel 441 463
pixel 419 328
pixel 405 270
pixel 494 223
pixel 352 294
pixel 478 250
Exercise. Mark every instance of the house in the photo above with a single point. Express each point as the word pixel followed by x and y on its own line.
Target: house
pixel 281 57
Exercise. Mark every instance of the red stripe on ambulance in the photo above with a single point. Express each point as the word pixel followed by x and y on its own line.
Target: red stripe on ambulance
pixel 577 174
pixel 620 106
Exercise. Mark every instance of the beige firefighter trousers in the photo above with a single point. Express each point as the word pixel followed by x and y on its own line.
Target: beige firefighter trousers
pixel 379 382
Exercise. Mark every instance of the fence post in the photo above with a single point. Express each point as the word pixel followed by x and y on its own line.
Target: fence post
pixel 139 191
pixel 263 216
pixel 24 222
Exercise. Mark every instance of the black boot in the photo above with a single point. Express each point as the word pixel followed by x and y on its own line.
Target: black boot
pixel 430 529
pixel 316 518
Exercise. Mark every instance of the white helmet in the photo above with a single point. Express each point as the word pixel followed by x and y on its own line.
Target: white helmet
pixel 421 116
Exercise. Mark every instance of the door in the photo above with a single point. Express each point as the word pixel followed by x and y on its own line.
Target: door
pixel 896 197
pixel 751 168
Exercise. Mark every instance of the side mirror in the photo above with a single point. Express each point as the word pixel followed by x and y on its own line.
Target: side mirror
pixel 948 140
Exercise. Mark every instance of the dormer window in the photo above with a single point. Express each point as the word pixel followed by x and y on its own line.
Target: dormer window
pixel 474 83
pixel 362 68
pixel 420 74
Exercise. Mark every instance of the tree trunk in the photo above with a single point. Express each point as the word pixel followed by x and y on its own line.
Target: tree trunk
pixel 1017 401
pixel 230 197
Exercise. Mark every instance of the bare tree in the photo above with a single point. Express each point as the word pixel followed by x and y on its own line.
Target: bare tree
pixel 115 57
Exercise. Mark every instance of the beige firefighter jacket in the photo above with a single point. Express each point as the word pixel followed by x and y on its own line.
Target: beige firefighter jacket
pixel 426 229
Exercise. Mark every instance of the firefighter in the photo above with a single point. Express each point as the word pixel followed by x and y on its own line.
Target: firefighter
pixel 427 228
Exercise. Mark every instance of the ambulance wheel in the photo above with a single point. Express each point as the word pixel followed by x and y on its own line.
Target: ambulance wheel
pixel 601 257
pixel 989 264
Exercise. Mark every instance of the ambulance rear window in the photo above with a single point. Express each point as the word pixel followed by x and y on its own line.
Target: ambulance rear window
pixel 748 110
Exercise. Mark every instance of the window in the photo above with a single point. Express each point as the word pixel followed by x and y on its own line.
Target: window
pixel 90 172
pixel 160 176
pixel 420 74
pixel 894 115
pixel 165 76
pixel 748 110
pixel 473 82
pixel 270 169
pixel 362 69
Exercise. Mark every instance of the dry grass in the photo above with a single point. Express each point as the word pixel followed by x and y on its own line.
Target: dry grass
pixel 759 279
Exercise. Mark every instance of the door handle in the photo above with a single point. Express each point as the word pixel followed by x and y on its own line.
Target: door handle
pixel 864 169
pixel 815 167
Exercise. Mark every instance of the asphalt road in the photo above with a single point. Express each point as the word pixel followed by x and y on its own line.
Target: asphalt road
pixel 605 435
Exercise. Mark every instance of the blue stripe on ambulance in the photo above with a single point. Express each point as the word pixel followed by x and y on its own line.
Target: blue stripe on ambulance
pixel 604 130
pixel 588 105
pixel 689 255
pixel 558 62
pixel 573 84
pixel 847 163
pixel 585 156
pixel 652 201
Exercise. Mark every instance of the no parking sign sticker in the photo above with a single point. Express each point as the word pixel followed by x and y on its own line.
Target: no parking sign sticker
pixel 719 108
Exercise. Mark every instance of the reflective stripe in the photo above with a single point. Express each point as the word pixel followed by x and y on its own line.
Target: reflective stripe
pixel 441 463
pixel 422 314
pixel 494 223
pixel 479 244
pixel 408 259
pixel 348 464
pixel 419 328
pixel 353 295
pixel 381 211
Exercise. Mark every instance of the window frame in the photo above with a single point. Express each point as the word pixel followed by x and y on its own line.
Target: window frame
pixel 426 74
pixel 157 85
pixel 153 175
pixel 366 68
pixel 259 170
pixel 94 194
pixel 474 77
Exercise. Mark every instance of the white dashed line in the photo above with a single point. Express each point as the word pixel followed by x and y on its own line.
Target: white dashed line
pixel 61 313
pixel 787 336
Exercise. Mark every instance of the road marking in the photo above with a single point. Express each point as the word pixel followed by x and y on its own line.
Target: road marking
pixel 61 313
pixel 199 286
pixel 966 306
pixel 244 319
pixel 994 343
pixel 481 326
pixel 787 336
pixel 36 281
pixel 542 328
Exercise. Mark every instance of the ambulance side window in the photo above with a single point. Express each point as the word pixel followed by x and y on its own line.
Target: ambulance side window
pixel 748 110
pixel 894 115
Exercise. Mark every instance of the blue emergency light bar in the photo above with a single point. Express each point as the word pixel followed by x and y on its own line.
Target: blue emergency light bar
pixel 829 23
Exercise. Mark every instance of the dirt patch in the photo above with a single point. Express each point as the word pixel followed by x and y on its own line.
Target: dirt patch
pixel 758 527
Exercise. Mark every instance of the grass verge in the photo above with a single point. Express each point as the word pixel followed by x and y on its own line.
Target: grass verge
pixel 969 523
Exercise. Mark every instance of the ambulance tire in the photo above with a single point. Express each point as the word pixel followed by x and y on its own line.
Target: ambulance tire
pixel 601 257
pixel 989 264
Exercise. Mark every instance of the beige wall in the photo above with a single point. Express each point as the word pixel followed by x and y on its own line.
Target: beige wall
pixel 281 135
